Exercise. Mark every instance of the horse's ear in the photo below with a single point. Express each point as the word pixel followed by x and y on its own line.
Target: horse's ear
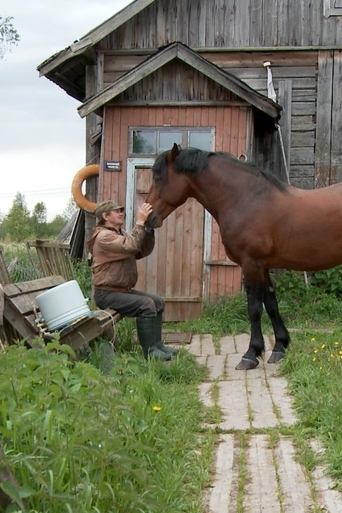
pixel 174 152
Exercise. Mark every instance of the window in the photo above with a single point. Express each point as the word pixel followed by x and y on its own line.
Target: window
pixel 148 141
pixel 144 141
pixel 332 8
pixel 168 138
pixel 199 140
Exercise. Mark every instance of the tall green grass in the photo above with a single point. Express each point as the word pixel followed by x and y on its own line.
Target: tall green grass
pixel 313 366
pixel 80 441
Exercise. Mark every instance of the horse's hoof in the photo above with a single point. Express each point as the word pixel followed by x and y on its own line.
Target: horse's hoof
pixel 276 356
pixel 247 364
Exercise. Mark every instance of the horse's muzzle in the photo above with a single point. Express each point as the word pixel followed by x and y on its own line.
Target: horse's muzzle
pixel 154 221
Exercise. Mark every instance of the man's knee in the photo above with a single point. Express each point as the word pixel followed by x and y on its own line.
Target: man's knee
pixel 160 304
pixel 147 308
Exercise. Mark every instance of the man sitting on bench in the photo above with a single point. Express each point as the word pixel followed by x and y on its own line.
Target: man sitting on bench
pixel 114 273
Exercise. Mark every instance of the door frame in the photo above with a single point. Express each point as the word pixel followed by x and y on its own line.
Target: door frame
pixel 132 164
pixel 136 162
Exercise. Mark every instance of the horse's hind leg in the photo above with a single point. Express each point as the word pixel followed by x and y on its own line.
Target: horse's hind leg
pixel 255 294
pixel 281 334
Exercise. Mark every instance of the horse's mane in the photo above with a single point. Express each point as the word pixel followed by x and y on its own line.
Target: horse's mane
pixel 193 160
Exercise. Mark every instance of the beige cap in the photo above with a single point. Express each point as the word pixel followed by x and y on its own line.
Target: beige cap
pixel 106 206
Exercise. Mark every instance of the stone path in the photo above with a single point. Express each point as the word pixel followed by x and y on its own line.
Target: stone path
pixel 256 469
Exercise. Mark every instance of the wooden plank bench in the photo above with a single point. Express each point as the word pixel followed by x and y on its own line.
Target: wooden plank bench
pixel 21 311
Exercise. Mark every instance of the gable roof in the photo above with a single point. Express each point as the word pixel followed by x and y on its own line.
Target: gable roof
pixel 86 42
pixel 188 56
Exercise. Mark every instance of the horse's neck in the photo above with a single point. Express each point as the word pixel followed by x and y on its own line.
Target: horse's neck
pixel 213 190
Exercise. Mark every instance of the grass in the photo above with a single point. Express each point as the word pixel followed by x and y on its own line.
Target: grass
pixel 313 368
pixel 131 438
pixel 79 440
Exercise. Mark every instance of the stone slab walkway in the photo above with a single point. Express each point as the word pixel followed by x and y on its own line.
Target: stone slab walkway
pixel 256 469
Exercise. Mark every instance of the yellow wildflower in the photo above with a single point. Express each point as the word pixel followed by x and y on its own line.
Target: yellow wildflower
pixel 313 339
pixel 156 408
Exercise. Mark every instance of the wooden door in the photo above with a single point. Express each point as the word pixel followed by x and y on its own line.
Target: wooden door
pixel 174 270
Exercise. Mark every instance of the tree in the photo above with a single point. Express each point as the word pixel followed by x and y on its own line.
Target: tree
pixel 39 219
pixel 55 226
pixel 17 222
pixel 9 35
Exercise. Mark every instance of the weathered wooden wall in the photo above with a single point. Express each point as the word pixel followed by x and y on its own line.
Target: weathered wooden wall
pixel 174 82
pixel 228 23
pixel 239 36
pixel 294 76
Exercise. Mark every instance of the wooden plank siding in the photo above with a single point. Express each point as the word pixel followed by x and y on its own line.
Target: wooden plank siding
pixel 298 68
pixel 175 268
pixel 227 24
pixel 336 121
pixel 176 81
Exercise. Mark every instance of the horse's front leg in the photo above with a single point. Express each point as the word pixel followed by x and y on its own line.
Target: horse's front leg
pixel 281 334
pixel 255 298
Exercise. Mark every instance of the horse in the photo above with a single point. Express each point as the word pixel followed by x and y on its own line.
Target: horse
pixel 264 224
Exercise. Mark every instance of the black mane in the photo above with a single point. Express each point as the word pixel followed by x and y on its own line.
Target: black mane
pixel 193 160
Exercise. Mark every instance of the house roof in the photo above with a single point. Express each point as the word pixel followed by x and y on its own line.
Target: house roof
pixel 185 54
pixel 85 43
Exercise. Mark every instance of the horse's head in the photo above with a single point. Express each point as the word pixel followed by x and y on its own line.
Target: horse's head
pixel 169 189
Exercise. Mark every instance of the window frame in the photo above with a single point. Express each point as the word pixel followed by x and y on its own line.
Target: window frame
pixel 329 9
pixel 185 136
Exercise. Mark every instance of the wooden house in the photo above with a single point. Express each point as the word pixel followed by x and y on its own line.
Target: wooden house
pixel 192 72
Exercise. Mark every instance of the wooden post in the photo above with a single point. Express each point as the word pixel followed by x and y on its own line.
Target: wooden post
pixel 93 133
pixel 336 120
pixel 323 123
pixel 285 100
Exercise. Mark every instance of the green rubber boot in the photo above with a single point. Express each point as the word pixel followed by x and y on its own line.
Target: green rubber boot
pixel 160 344
pixel 146 329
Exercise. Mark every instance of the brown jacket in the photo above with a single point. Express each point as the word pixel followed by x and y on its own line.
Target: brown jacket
pixel 114 254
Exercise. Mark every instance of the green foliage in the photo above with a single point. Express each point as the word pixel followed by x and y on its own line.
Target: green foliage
pixel 83 276
pixel 81 441
pixel 306 305
pixel 329 281
pixel 55 226
pixel 314 369
pixel 227 315
pixel 19 263
pixel 17 222
pixel 20 225
pixel 39 220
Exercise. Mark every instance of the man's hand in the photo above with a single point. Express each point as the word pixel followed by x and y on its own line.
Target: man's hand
pixel 144 211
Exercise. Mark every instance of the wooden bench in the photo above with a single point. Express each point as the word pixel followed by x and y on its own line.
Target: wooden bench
pixel 21 311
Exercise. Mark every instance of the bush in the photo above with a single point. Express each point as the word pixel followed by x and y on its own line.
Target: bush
pixel 329 281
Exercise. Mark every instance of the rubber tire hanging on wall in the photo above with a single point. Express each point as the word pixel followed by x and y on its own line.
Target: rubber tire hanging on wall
pixel 76 187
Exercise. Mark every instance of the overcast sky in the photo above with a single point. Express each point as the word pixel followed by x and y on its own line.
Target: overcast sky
pixel 42 139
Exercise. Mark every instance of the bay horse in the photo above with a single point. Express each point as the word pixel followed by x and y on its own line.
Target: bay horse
pixel 264 224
